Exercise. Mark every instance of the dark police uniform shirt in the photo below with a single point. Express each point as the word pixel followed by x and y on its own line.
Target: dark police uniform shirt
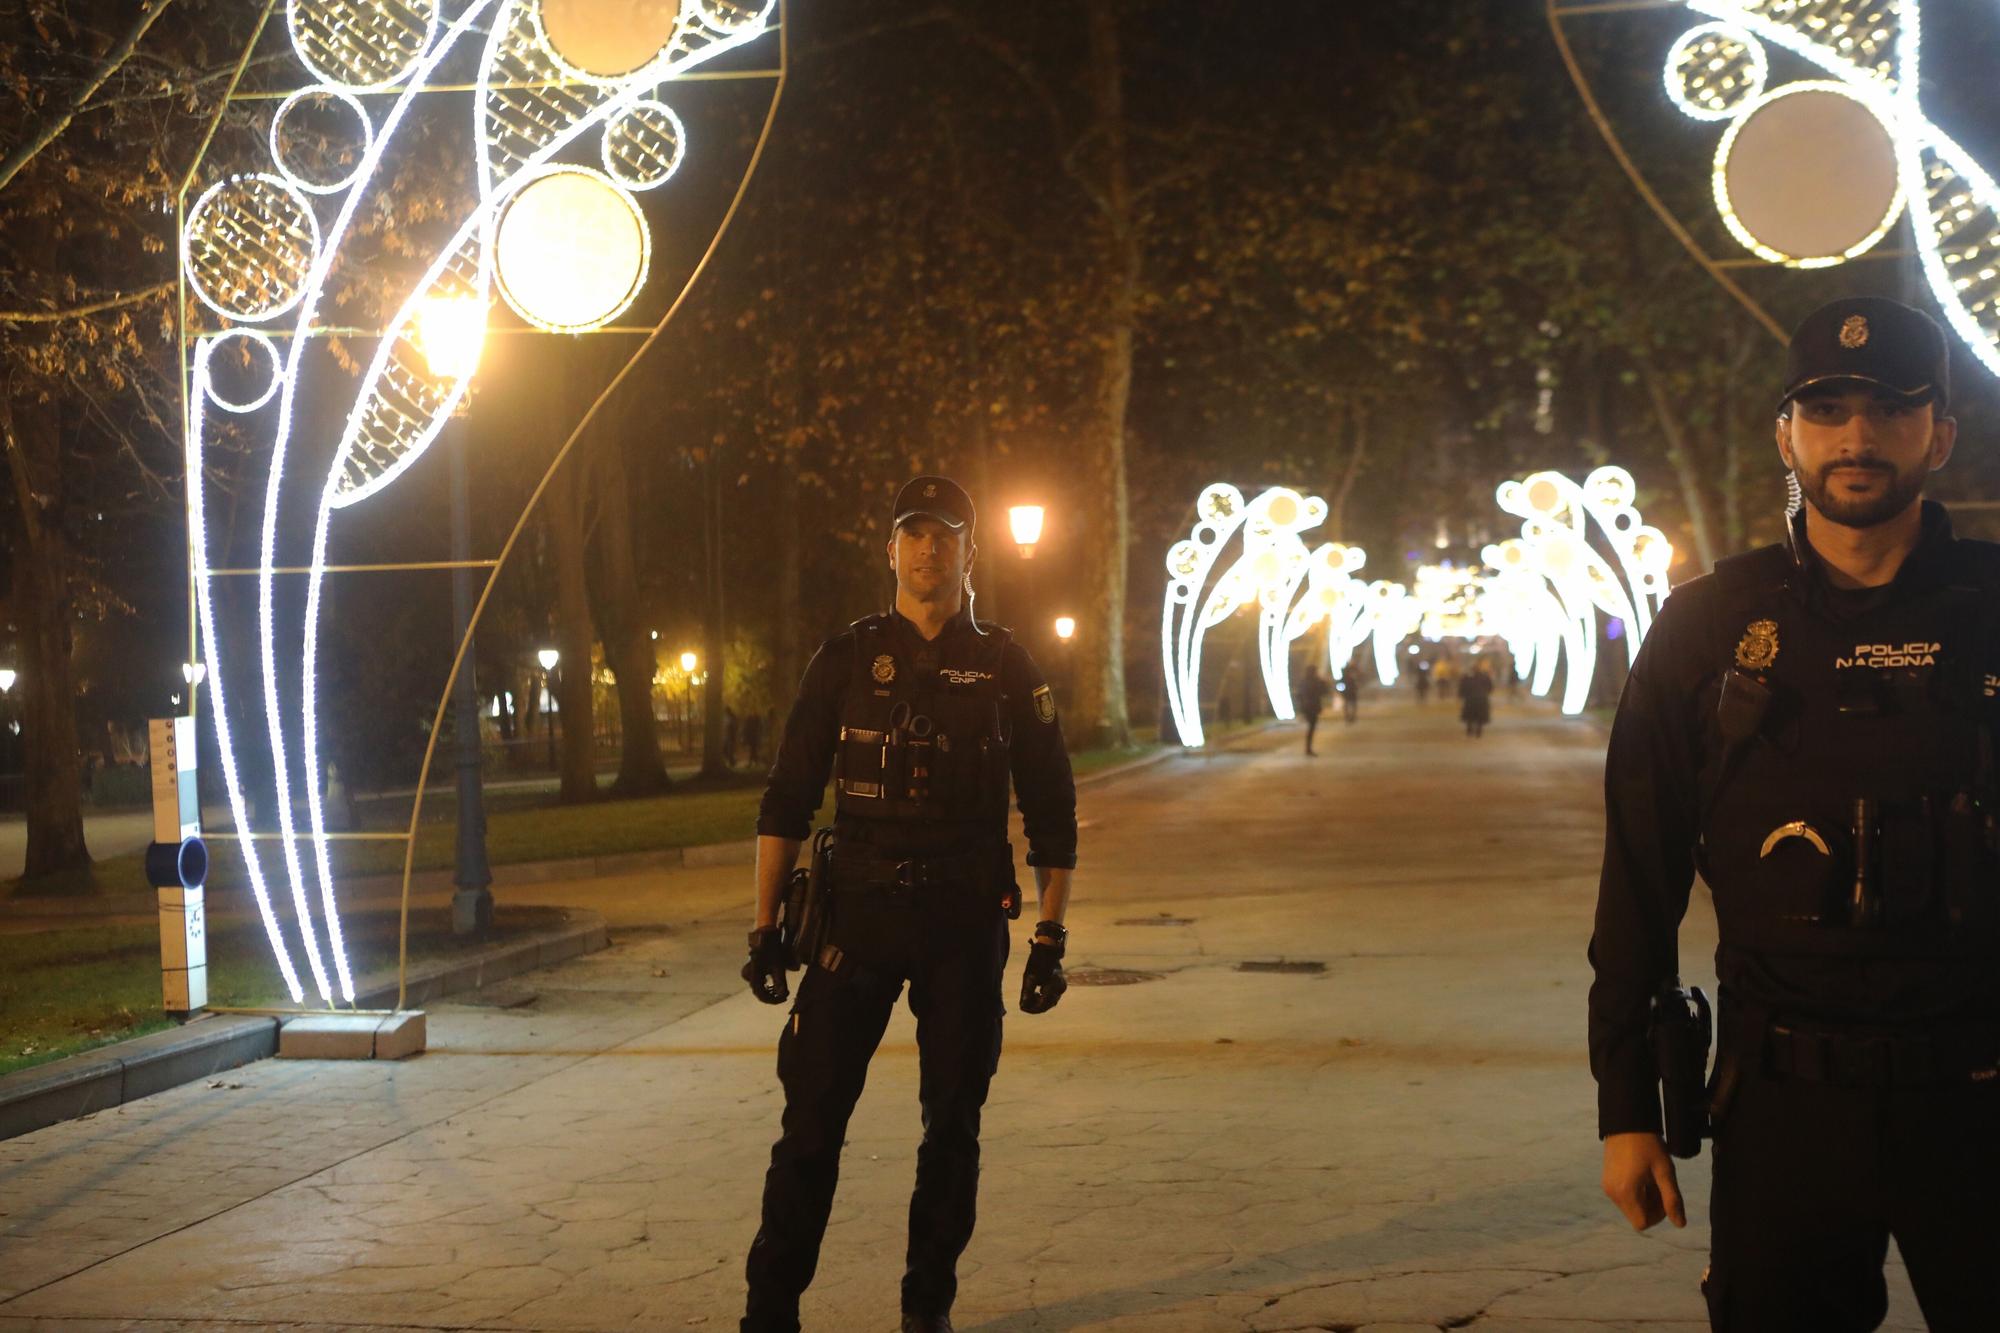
pixel 1659 742
pixel 1043 785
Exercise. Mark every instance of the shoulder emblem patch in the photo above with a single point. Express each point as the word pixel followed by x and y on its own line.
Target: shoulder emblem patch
pixel 885 669
pixel 1045 704
pixel 1758 648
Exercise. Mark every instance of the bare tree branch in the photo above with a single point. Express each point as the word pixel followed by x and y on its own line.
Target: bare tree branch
pixel 78 312
pixel 117 56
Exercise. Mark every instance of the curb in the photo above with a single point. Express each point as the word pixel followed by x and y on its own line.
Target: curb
pixel 125 1071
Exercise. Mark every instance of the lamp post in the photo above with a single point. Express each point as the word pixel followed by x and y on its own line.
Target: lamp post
pixel 688 663
pixel 1065 641
pixel 548 657
pixel 1024 522
pixel 7 679
pixel 451 332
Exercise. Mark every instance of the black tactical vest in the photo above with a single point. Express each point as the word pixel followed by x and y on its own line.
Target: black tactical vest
pixel 1893 707
pixel 923 746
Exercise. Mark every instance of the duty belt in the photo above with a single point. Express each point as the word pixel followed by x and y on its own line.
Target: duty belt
pixel 1883 1058
pixel 864 867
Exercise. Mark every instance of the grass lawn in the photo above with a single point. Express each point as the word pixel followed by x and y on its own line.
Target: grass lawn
pixel 697 812
pixel 65 991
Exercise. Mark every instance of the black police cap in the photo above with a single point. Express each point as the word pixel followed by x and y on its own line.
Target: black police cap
pixel 1869 340
pixel 940 498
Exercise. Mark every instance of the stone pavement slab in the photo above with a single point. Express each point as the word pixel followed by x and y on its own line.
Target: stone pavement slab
pixel 1403 1139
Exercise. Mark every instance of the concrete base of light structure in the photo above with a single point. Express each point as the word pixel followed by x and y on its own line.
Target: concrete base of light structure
pixel 353 1036
pixel 471 911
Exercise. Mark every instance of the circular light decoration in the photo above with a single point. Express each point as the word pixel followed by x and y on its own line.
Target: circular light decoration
pixel 571 251
pixel 1714 70
pixel 1808 176
pixel 732 15
pixel 249 245
pixel 361 44
pixel 303 149
pixel 605 40
pixel 643 145
pixel 254 342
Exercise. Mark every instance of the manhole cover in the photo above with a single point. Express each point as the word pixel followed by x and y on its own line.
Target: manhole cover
pixel 1161 920
pixel 1107 976
pixel 1285 965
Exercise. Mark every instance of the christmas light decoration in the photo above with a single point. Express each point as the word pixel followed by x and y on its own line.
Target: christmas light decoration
pixel 1869 51
pixel 565 246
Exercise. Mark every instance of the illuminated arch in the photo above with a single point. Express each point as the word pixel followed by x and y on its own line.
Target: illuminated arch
pixel 526 109
pixel 1267 572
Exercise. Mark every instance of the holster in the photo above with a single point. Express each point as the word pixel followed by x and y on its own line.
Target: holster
pixel 807 912
pixel 1680 1032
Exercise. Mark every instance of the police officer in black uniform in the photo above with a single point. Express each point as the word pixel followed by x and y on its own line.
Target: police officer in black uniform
pixel 923 715
pixel 1812 728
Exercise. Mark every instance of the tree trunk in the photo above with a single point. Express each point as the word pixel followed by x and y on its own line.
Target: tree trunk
pixel 788 663
pixel 1686 470
pixel 713 632
pixel 628 647
pixel 46 698
pixel 1102 717
pixel 563 510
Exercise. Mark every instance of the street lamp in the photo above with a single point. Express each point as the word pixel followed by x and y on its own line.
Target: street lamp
pixel 688 663
pixel 1065 628
pixel 7 679
pixel 1025 521
pixel 451 331
pixel 548 657
pixel 191 672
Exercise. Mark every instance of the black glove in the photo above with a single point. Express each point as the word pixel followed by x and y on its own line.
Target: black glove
pixel 766 969
pixel 1042 982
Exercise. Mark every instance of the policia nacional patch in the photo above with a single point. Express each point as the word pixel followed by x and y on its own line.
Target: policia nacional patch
pixel 1758 648
pixel 1045 704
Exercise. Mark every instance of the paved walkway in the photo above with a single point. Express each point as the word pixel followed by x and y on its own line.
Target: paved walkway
pixel 1401 1141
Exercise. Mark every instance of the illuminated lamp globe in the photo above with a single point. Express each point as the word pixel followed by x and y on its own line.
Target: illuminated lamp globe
pixel 605 39
pixel 688 661
pixel 1025 522
pixel 1284 509
pixel 1065 628
pixel 1810 175
pixel 572 251
pixel 548 657
pixel 7 679
pixel 451 331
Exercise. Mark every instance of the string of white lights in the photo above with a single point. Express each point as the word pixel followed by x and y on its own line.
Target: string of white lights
pixel 451 275
pixel 213 656
pixel 1871 52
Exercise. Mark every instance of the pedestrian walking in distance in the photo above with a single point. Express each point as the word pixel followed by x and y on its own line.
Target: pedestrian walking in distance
pixel 1812 726
pixel 1312 698
pixel 923 716
pixel 1475 700
pixel 1348 686
pixel 1420 673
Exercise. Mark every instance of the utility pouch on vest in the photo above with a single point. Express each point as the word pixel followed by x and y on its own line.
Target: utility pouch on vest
pixel 1680 1032
pixel 1740 711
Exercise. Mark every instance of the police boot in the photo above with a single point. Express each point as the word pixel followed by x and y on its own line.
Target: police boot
pixel 921 1323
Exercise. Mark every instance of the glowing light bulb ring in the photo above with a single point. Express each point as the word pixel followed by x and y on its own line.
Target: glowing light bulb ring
pixel 1730 64
pixel 346 99
pixel 218 234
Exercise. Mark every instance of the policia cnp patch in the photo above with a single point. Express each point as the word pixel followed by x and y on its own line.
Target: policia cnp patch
pixel 1045 704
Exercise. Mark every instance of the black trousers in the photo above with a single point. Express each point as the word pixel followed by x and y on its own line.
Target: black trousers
pixel 951 947
pixel 1811 1181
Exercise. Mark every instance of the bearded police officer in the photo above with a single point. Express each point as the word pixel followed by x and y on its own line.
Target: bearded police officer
pixel 1812 727
pixel 922 715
